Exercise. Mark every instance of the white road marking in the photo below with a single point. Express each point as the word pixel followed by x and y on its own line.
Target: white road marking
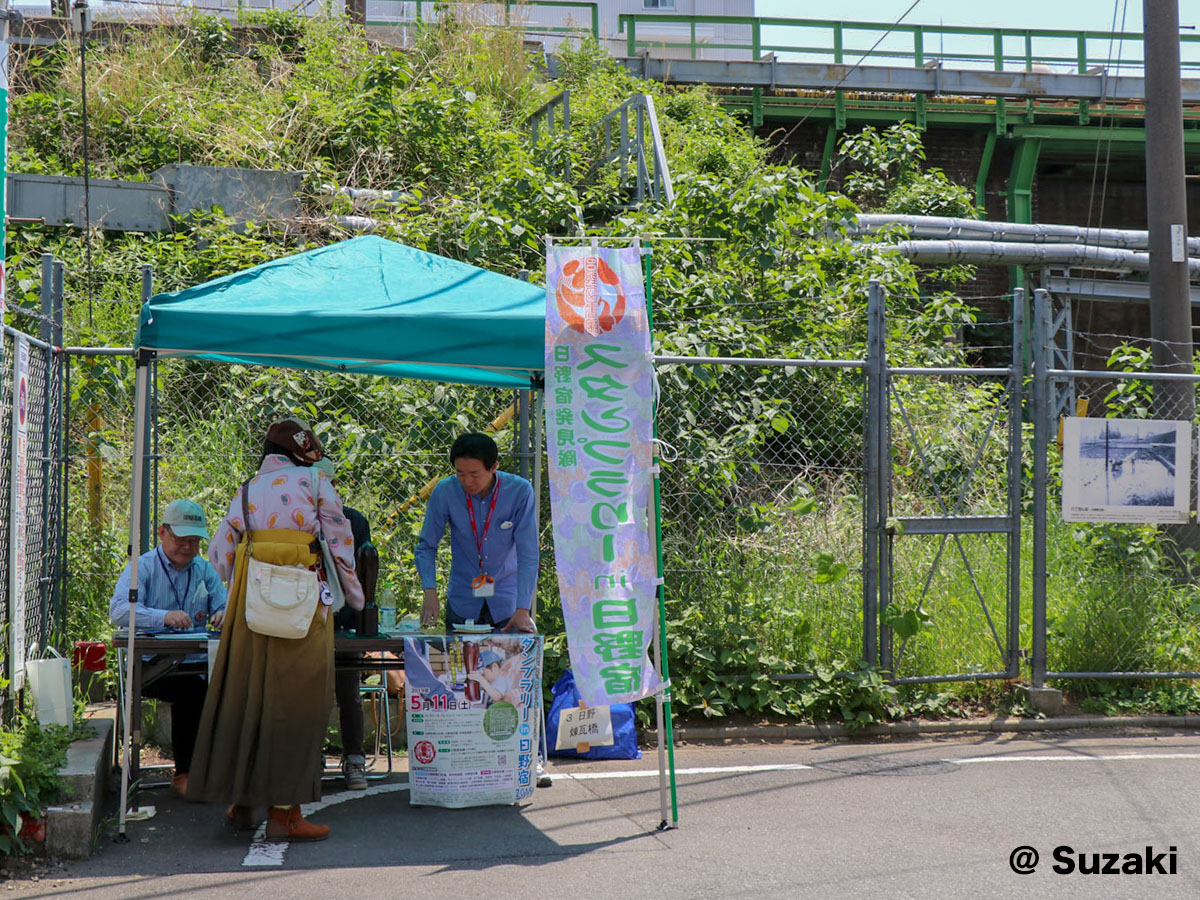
pixel 1111 757
pixel 271 853
pixel 653 773
pixel 750 770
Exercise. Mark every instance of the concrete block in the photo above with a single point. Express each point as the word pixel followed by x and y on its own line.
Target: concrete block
pixel 1047 701
pixel 85 774
pixel 71 825
pixel 70 830
pixel 246 195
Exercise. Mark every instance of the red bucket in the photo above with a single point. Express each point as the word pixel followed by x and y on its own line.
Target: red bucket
pixel 91 656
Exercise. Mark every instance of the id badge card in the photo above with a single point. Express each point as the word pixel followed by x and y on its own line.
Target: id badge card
pixel 483 586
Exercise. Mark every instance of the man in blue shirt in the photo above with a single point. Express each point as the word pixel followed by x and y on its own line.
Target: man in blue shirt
pixel 177 590
pixel 493 541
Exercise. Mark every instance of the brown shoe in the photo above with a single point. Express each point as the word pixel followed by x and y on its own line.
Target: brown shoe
pixel 239 817
pixel 179 784
pixel 289 825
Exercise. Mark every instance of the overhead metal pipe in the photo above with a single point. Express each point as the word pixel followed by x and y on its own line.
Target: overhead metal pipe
pixel 984 252
pixel 951 228
pixel 367 195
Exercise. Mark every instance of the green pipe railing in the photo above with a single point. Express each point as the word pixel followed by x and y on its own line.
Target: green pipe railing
pixel 426 12
pixel 823 40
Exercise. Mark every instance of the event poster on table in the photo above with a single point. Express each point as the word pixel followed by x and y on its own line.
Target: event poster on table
pixel 599 427
pixel 1126 470
pixel 472 703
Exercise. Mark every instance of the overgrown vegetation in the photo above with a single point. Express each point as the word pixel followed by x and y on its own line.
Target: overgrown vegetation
pixel 763 518
pixel 30 757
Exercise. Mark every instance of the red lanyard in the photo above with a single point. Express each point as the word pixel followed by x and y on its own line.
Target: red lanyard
pixel 480 538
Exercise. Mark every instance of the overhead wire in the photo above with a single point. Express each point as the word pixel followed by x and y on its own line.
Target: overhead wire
pixel 787 134
pixel 1112 124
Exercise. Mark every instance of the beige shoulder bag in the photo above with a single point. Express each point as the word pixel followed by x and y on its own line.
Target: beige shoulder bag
pixel 280 600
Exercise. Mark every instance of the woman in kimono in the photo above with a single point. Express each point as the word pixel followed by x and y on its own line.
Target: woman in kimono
pixel 263 727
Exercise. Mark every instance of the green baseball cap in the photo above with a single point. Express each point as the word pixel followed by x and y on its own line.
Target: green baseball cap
pixel 185 518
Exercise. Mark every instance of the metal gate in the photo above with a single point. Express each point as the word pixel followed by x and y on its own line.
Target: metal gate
pixel 943 512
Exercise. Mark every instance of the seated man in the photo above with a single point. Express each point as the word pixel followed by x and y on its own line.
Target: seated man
pixel 177 589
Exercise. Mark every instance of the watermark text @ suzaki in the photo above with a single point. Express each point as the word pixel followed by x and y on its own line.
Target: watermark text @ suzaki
pixel 1067 860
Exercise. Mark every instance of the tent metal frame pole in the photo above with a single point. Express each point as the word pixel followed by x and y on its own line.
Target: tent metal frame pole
pixel 662 699
pixel 537 528
pixel 524 443
pixel 141 414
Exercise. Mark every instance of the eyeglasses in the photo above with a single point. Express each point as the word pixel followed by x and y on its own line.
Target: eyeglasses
pixel 178 538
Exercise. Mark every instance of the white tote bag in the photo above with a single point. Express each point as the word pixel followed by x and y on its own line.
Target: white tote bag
pixel 50 684
pixel 280 600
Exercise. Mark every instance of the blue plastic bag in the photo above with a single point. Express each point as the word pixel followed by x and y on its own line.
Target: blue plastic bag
pixel 566 696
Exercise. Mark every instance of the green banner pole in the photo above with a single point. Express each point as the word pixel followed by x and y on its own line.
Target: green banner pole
pixel 665 672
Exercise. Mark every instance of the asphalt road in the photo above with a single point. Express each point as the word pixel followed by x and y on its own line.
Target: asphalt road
pixel 926 818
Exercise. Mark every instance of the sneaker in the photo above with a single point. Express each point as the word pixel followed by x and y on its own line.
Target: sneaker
pixel 543 777
pixel 354 770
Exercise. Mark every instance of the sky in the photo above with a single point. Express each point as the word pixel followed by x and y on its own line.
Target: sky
pixel 1068 14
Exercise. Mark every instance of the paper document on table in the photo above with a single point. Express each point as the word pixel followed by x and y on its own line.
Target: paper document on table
pixel 183 635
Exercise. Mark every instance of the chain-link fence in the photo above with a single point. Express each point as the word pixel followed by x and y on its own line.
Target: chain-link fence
pixel 775 564
pixel 762 515
pixel 30 527
pixel 389 439
pixel 1119 588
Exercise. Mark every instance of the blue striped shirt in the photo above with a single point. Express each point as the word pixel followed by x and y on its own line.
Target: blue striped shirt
pixel 510 547
pixel 162 588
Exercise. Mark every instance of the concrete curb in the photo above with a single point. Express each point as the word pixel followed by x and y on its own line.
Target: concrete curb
pixel 828 731
pixel 71 825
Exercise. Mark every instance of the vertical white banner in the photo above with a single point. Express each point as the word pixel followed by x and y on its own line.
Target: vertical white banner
pixel 599 424
pixel 17 510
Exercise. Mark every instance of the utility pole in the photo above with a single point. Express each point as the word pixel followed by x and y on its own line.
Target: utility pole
pixel 1166 210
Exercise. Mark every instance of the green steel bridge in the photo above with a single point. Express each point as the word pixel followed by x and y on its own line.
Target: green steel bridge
pixel 1041 92
pixel 1035 94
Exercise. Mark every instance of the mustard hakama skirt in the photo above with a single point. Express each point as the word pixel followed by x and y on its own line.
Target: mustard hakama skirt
pixel 263 728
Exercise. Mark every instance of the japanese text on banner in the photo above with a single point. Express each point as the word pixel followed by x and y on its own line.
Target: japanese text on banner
pixel 599 419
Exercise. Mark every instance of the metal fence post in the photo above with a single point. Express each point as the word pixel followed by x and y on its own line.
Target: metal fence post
pixel 56 289
pixel 58 568
pixel 522 400
pixel 522 438
pixel 873 444
pixel 1015 472
pixel 47 298
pixel 62 443
pixel 1041 450
pixel 149 460
pixel 48 531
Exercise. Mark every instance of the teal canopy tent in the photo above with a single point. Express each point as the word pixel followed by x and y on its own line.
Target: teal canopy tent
pixel 362 305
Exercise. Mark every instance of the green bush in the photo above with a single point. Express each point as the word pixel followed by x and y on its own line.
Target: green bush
pixel 30 757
